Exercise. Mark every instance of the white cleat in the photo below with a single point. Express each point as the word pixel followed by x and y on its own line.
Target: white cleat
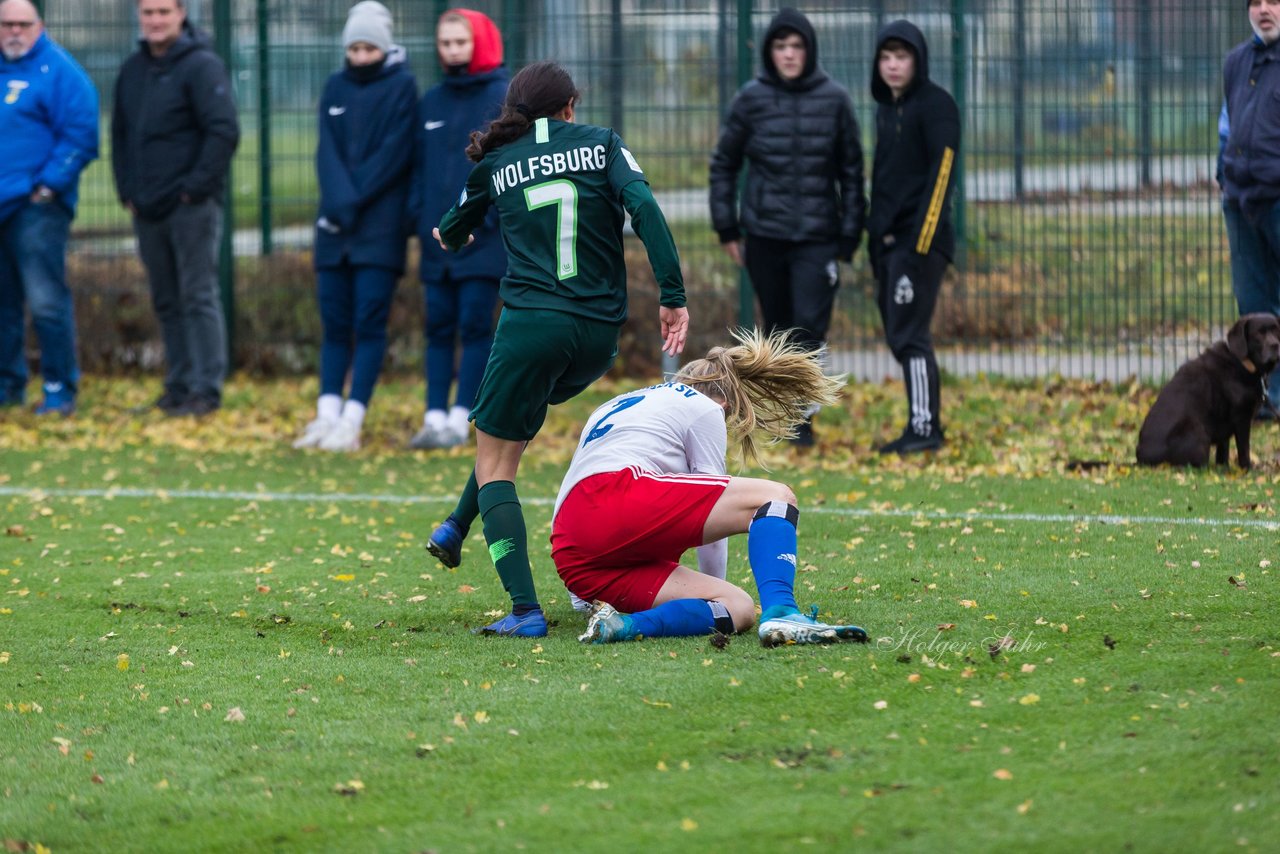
pixel 800 628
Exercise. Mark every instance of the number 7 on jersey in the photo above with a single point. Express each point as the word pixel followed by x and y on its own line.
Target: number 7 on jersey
pixel 564 195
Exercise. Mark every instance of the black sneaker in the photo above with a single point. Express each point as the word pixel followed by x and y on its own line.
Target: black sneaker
pixel 911 442
pixel 166 403
pixel 170 401
pixel 197 405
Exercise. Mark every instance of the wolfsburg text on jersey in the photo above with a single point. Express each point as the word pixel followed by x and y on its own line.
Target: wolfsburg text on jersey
pixel 582 159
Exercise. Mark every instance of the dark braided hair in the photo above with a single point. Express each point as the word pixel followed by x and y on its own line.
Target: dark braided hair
pixel 538 90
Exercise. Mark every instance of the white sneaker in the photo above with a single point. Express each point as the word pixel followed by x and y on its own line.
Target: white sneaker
pixel 313 434
pixel 452 436
pixel 345 436
pixel 457 430
pixel 582 606
pixel 426 439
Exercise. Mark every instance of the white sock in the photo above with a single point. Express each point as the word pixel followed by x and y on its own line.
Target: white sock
pixel 458 420
pixel 353 411
pixel 435 419
pixel 328 407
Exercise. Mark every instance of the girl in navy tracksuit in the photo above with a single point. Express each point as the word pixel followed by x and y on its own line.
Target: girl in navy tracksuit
pixel 461 288
pixel 363 163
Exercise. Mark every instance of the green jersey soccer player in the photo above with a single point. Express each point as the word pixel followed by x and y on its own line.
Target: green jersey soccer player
pixel 560 190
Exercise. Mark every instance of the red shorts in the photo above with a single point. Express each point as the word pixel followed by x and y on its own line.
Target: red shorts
pixel 619 535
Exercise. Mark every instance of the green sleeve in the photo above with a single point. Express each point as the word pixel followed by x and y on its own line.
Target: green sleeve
pixel 465 216
pixel 650 226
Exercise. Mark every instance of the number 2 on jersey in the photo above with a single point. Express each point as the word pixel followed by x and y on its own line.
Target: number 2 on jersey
pixel 602 426
pixel 564 195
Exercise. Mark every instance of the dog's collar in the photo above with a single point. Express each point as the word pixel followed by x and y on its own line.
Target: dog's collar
pixel 1249 365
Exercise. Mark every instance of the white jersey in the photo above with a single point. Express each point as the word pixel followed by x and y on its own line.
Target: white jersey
pixel 665 429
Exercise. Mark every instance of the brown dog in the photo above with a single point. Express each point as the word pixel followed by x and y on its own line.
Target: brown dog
pixel 1212 398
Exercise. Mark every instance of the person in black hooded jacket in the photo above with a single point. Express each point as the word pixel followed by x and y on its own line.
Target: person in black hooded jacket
pixel 173 133
pixel 803 205
pixel 909 233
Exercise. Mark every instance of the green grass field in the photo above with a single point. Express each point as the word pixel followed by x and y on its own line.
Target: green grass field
pixel 210 642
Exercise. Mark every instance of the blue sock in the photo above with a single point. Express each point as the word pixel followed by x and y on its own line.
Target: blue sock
pixel 675 619
pixel 771 549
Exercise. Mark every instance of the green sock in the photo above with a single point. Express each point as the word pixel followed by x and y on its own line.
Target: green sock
pixel 504 531
pixel 468 505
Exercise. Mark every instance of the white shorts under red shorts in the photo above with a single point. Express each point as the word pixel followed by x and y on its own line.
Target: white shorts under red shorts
pixel 619 535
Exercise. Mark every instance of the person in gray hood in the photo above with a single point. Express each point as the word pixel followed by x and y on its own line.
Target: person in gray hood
pixel 803 205
pixel 909 233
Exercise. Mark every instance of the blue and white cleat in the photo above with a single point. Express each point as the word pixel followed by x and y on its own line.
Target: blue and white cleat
pixel 445 543
pixel 797 628
pixel 607 625
pixel 531 625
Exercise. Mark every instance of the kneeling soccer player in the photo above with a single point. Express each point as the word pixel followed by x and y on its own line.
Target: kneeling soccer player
pixel 648 481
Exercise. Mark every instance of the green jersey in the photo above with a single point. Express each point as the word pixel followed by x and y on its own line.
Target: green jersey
pixel 560 191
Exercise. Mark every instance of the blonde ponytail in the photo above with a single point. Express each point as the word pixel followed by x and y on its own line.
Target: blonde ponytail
pixel 767 384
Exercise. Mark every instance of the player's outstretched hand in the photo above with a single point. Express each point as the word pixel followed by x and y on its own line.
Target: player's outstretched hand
pixel 675 328
pixel 435 232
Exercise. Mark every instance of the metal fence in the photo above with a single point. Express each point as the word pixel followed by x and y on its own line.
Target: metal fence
pixel 1091 243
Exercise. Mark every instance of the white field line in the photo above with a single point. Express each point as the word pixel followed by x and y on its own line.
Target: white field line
pixel 38 493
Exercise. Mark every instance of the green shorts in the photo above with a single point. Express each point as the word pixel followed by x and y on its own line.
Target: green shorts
pixel 539 357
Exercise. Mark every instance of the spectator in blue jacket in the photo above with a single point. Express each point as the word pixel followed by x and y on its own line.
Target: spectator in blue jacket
pixel 363 163
pixel 461 288
pixel 1249 167
pixel 48 134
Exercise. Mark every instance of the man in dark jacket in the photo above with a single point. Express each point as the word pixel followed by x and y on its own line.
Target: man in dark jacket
pixel 173 133
pixel 1249 167
pixel 909 233
pixel 803 205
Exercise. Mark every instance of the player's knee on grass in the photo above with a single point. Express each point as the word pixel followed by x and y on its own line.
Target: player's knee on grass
pixel 741 607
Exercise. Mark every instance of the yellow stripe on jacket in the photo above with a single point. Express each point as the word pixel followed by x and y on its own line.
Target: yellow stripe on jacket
pixel 935 202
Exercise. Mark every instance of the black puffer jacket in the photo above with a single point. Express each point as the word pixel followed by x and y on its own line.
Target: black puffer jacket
pixel 917 143
pixel 803 152
pixel 174 128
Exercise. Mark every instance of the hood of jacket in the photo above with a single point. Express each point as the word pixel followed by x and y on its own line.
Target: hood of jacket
pixel 791 19
pixel 909 34
pixel 189 41
pixel 486 40
pixel 38 48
